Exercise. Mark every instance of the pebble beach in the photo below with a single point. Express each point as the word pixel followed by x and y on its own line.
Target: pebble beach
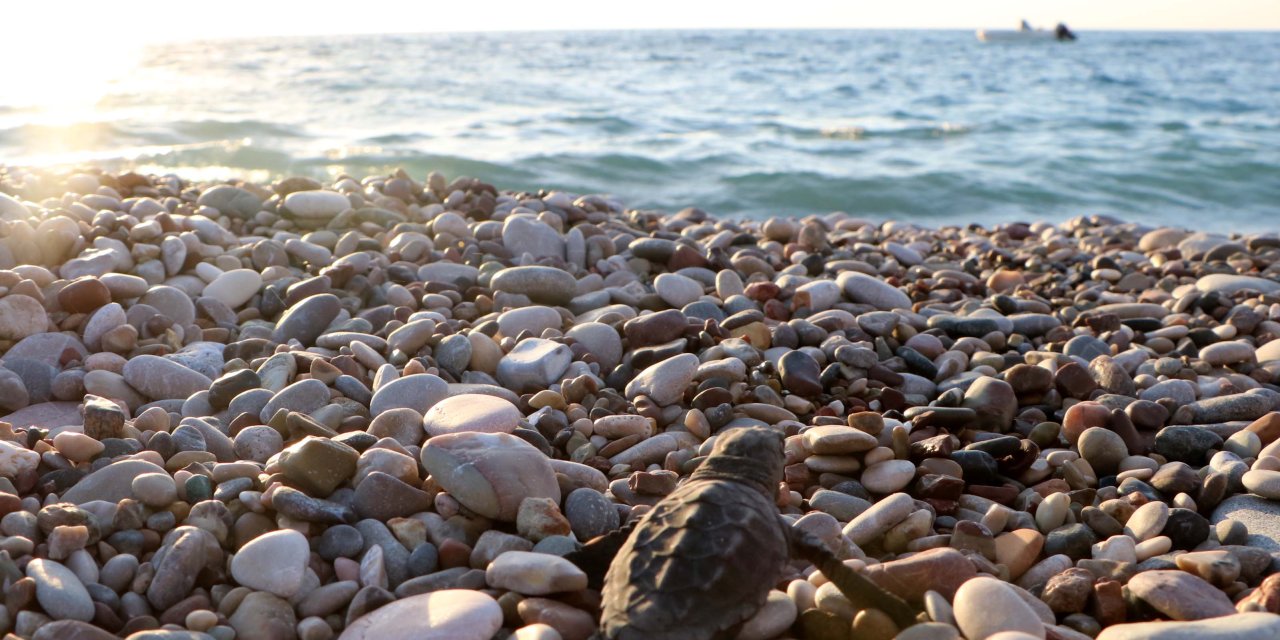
pixel 386 407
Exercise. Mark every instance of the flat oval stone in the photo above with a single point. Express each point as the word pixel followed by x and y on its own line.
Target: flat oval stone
pixel 1262 482
pixel 316 204
pixel 986 606
pixel 471 412
pixel 163 379
pixel 59 591
pixel 419 392
pixel 490 473
pixel 232 201
pixel 451 614
pixel 460 274
pixel 83 295
pixel 838 440
pixel 21 316
pixel 677 290
pixel 106 318
pixel 534 364
pixel 873 522
pixel 654 328
pixel 275 562
pixel 1103 449
pixel 1147 521
pixel 263 615
pixel 171 302
pixel 524 234
pixel 111 483
pixel 303 396
pixel 888 476
pixel 942 570
pixel 307 319
pixel 1180 595
pixel 49 348
pixel 800 373
pixel 534 319
pixel 234 288
pixel 318 465
pixel 866 289
pixel 666 381
pixel 601 341
pixel 546 285
pixel 534 574
pixel 1228 284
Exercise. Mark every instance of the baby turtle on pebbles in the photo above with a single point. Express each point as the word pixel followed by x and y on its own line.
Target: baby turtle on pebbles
pixel 703 560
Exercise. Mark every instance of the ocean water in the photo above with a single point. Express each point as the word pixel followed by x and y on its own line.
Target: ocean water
pixel 930 126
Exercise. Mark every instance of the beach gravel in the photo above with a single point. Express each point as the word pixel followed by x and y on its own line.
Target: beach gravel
pixel 392 406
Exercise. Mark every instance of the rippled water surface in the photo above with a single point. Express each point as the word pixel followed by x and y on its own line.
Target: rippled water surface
pixel 930 126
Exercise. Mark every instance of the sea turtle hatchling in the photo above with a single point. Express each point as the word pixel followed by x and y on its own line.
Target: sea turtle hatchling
pixel 702 561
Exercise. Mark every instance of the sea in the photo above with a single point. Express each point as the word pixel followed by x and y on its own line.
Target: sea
pixel 933 127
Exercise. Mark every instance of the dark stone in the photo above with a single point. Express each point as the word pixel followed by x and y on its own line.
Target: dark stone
pixel 1146 414
pixel 307 319
pixel 301 506
pixel 340 541
pixel 382 497
pixel 1212 491
pixel 823 625
pixel 938 487
pixel 423 559
pixel 1069 591
pixel 936 447
pixel 1134 485
pixel 917 363
pixel 800 373
pixel 1174 478
pixel 704 310
pixel 979 467
pixel 655 250
pixel 1086 347
pixel 997 447
pixel 590 514
pixel 1074 381
pixel 1186 444
pixel 230 385
pixel 37 376
pixel 965 327
pixel 1186 529
pixel 1029 380
pixel 366 600
pixel 1073 540
pixel 654 328
pixel 1101 522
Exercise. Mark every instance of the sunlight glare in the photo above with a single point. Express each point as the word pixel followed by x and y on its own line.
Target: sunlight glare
pixel 57 71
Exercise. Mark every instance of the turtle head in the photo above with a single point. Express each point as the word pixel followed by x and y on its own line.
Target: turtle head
pixel 749 454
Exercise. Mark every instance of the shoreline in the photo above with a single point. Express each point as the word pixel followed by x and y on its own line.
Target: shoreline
pixel 306 410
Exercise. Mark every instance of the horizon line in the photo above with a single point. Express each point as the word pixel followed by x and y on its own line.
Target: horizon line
pixel 314 34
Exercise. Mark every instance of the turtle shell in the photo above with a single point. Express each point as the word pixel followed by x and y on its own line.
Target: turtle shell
pixel 700 563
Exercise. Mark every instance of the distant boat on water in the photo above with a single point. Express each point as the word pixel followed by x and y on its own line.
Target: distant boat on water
pixel 1025 33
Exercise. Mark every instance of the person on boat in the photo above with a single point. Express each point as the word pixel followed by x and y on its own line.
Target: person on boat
pixel 1062 32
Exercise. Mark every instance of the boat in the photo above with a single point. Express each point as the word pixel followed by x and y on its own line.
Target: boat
pixel 1026 34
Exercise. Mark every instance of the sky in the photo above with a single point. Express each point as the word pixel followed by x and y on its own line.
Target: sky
pixel 90 24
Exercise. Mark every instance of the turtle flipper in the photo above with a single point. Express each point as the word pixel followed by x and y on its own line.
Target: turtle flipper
pixel 863 593
pixel 597 554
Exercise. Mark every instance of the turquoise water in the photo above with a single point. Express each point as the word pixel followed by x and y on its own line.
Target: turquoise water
pixel 932 126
